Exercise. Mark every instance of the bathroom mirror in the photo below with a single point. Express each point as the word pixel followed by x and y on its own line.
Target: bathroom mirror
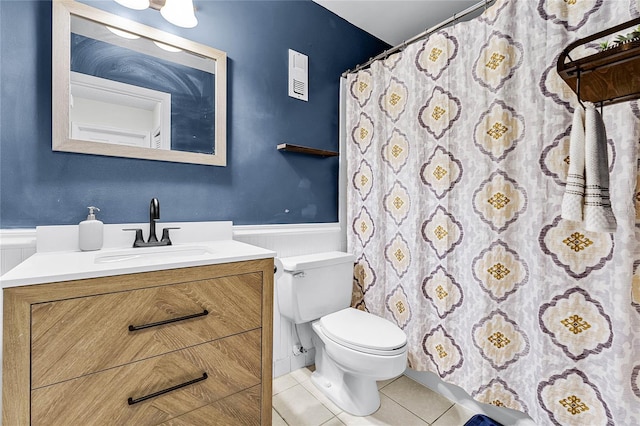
pixel 124 89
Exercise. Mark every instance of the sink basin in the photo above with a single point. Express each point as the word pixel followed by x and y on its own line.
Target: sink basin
pixel 153 254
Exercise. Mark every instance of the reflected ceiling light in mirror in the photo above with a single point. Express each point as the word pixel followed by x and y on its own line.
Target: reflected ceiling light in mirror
pixel 167 47
pixel 177 12
pixel 180 13
pixel 123 34
pixel 134 4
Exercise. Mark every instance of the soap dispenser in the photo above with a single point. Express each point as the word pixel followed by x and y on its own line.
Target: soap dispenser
pixel 91 232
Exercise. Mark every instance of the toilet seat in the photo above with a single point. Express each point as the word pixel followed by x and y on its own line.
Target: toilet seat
pixel 364 332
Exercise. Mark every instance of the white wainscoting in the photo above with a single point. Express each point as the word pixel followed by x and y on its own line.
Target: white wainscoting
pixel 16 245
pixel 285 240
pixel 290 240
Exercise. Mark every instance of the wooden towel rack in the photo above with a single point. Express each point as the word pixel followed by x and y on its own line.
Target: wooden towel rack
pixel 606 77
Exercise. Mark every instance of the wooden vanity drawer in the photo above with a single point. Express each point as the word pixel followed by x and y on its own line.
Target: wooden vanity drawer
pixel 74 337
pixel 242 408
pixel 232 364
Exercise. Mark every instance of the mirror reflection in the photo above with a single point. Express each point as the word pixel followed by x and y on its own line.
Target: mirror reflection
pixel 135 91
pixel 127 89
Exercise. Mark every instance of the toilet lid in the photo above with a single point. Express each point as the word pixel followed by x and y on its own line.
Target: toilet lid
pixel 363 330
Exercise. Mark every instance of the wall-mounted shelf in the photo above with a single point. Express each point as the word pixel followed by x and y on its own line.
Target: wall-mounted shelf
pixel 306 150
pixel 606 77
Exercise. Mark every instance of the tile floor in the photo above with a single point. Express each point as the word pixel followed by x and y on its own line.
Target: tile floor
pixel 404 402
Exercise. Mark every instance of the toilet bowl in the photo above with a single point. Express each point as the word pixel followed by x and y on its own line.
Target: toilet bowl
pixel 347 369
pixel 354 349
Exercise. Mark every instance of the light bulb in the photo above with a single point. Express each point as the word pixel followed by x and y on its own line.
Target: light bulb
pixel 123 34
pixel 134 4
pixel 167 47
pixel 180 13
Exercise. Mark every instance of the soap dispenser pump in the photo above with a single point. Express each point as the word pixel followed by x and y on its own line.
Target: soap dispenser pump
pixel 91 232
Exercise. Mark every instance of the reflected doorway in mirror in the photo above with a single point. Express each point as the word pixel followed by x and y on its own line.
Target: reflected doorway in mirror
pixel 107 111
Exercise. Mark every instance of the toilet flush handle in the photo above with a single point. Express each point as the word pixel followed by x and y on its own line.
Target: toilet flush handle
pixel 300 274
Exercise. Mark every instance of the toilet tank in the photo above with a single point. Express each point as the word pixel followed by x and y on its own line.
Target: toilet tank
pixel 314 285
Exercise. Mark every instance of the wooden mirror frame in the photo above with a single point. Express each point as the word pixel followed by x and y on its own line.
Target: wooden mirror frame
pixel 61 64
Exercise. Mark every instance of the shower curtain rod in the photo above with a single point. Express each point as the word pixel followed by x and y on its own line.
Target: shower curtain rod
pixel 425 33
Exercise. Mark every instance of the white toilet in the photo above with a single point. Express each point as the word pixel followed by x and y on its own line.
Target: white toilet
pixel 354 349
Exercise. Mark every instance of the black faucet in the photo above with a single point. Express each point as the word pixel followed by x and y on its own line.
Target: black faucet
pixel 154 216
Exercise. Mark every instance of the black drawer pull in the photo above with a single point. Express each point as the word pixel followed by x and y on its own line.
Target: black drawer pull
pixel 169 321
pixel 132 401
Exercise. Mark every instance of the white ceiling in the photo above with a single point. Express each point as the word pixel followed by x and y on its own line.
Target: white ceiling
pixel 395 21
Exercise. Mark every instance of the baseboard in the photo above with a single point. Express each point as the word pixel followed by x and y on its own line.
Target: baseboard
pixel 505 416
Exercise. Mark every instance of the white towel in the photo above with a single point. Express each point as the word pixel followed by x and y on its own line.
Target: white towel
pixel 598 215
pixel 573 199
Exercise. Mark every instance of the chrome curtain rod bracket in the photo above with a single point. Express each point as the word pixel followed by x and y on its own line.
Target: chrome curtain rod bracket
pixel 422 35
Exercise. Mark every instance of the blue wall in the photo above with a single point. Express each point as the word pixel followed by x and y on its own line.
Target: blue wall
pixel 260 185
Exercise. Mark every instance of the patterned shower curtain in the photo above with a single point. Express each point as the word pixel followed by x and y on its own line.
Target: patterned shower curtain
pixel 457 152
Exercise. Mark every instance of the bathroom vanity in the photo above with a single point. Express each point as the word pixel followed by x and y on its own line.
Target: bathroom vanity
pixel 130 341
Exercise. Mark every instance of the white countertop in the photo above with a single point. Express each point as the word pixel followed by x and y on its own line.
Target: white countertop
pixel 194 244
pixel 74 265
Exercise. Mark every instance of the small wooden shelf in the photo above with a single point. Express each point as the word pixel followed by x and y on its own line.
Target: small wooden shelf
pixel 306 150
pixel 606 77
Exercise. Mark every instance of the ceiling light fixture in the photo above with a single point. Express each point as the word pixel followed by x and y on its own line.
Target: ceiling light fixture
pixel 167 47
pixel 134 4
pixel 180 13
pixel 123 34
pixel 177 12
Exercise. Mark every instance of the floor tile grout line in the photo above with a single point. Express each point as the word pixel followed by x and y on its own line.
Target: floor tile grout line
pixel 302 388
pixel 308 379
pixel 335 416
pixel 294 378
pixel 282 390
pixel 277 412
pixel 445 412
pixel 323 404
pixel 382 387
pixel 416 414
